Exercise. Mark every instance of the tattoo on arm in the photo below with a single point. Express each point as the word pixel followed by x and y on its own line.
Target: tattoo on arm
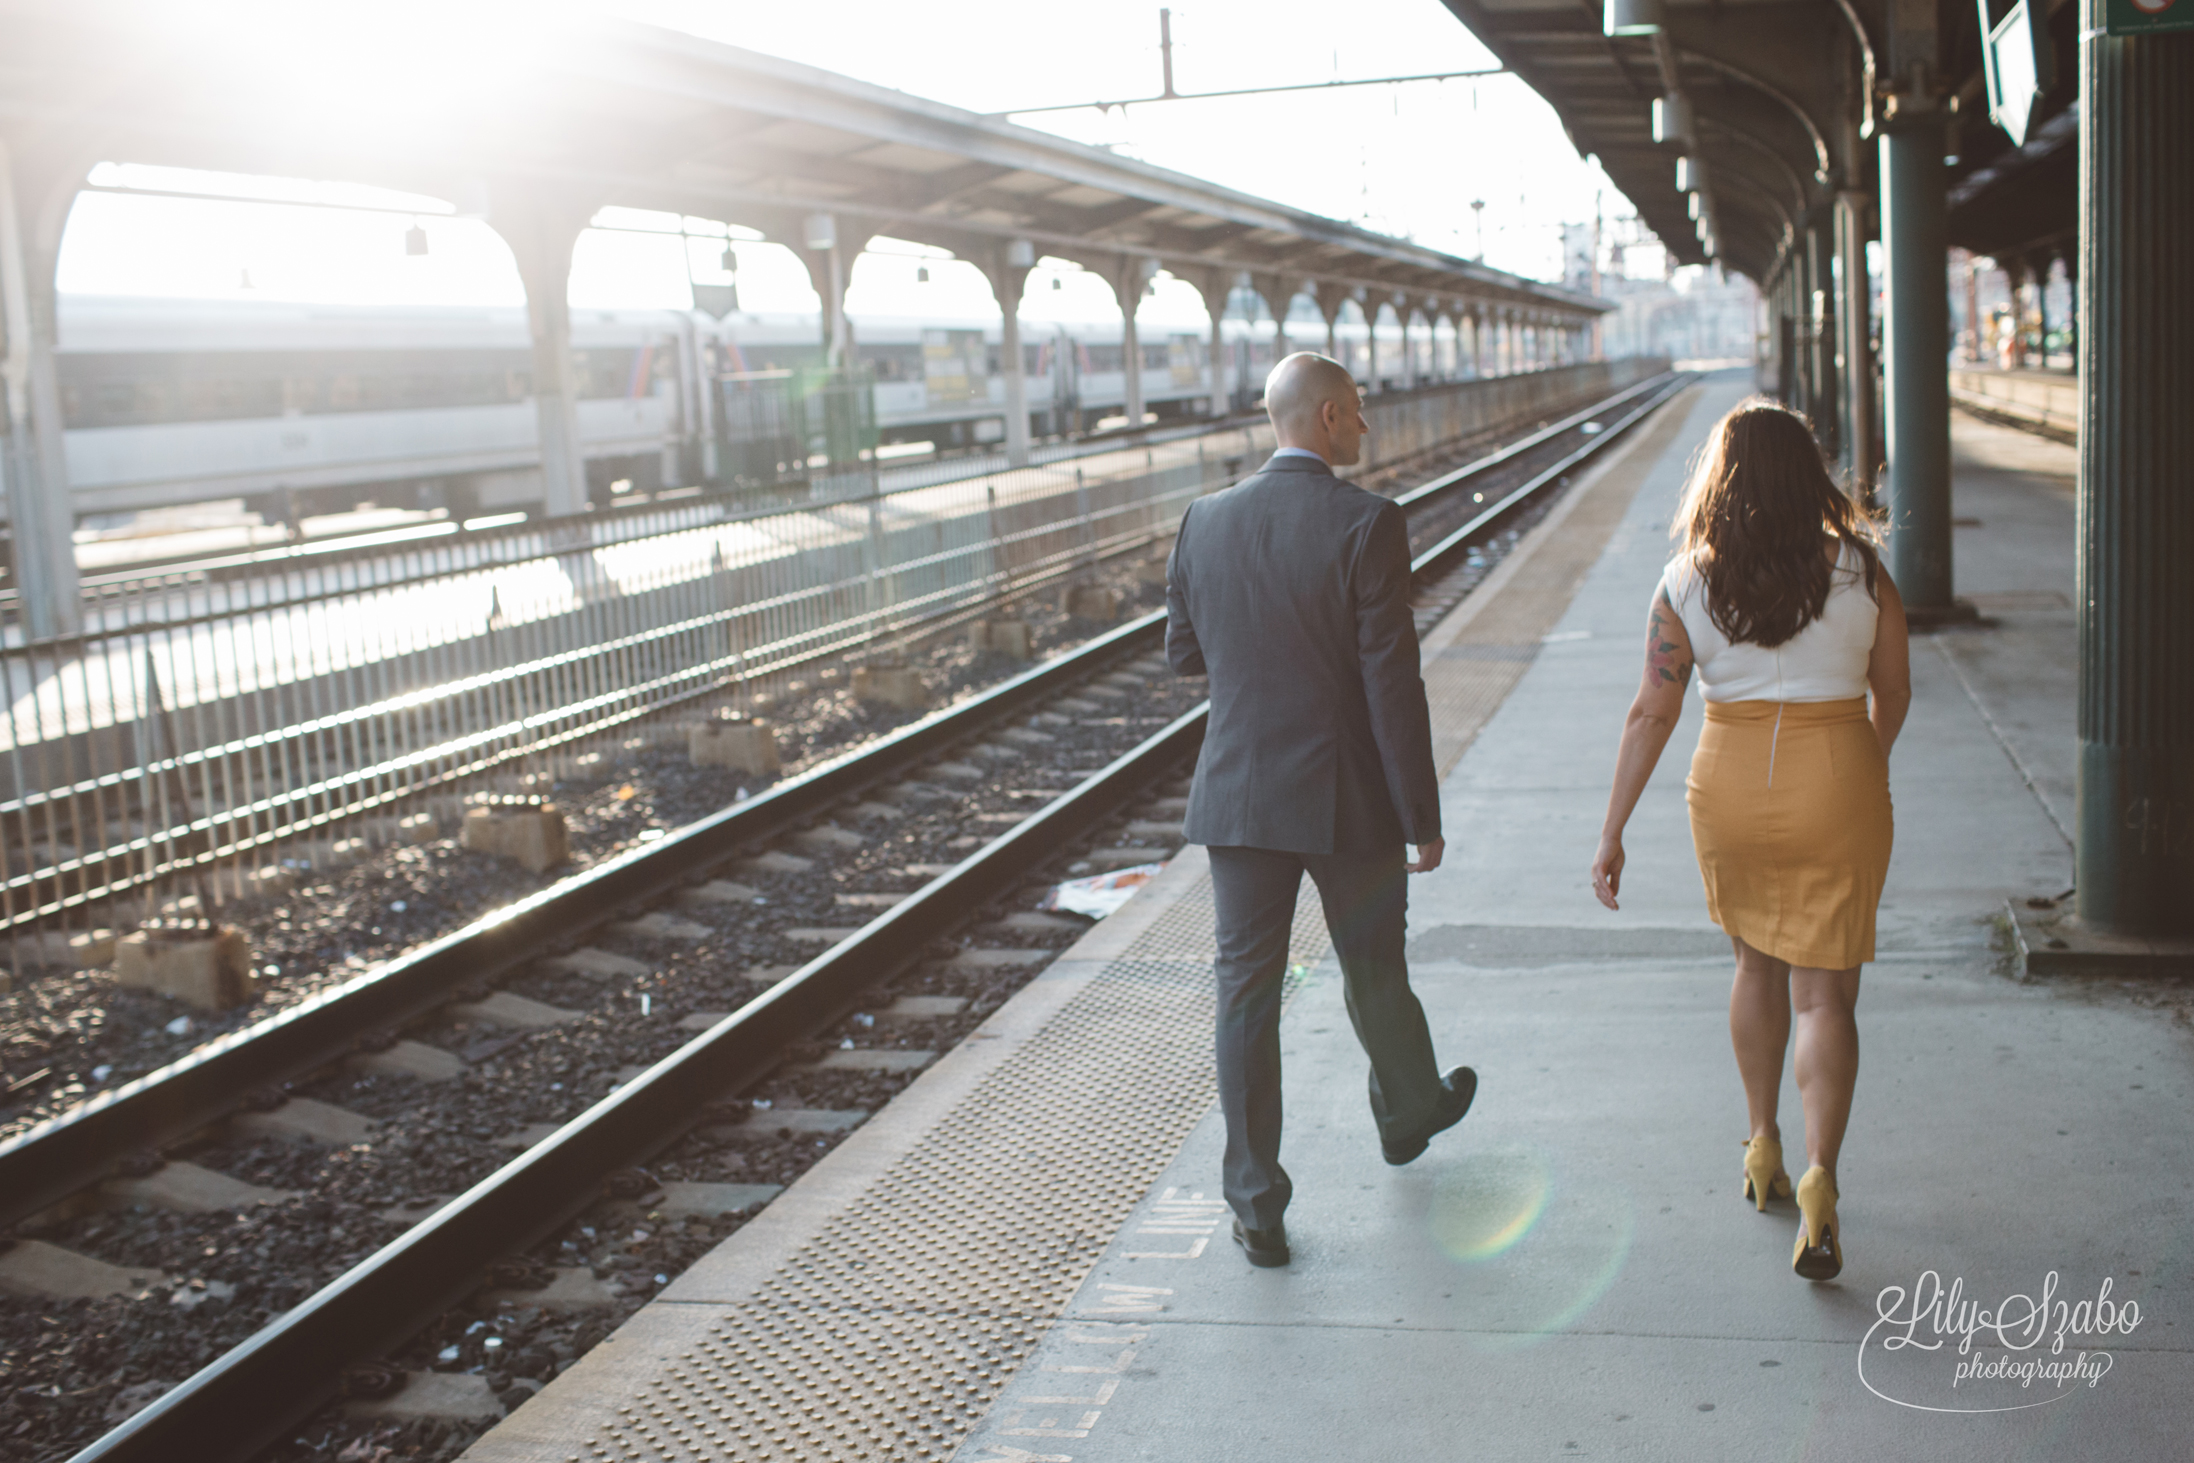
pixel 1667 662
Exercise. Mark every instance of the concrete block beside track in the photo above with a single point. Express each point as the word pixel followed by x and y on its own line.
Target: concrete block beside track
pixel 742 745
pixel 209 971
pixel 1093 602
pixel 534 838
pixel 896 686
pixel 1009 638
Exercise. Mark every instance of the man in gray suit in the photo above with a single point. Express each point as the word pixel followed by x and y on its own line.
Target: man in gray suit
pixel 1291 590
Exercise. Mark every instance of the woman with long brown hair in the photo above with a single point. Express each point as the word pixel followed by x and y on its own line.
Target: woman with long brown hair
pixel 1778 597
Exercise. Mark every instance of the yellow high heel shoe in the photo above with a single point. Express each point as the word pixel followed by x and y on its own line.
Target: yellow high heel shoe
pixel 1764 1176
pixel 1820 1251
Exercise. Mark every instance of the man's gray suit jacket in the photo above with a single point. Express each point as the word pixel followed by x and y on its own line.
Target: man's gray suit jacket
pixel 1291 589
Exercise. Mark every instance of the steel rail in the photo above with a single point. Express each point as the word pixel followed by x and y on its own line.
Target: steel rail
pixel 258 1390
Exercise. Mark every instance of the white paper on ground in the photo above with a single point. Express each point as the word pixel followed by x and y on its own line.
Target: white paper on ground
pixel 1100 894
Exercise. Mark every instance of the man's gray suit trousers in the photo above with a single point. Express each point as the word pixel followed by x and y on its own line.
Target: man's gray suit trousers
pixel 1365 899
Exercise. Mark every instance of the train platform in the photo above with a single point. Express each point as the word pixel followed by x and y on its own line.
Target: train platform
pixel 1024 1258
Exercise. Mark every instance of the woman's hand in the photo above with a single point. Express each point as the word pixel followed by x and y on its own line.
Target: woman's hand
pixel 1607 869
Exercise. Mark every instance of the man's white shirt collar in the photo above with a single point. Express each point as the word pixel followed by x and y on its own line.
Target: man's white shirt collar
pixel 1300 452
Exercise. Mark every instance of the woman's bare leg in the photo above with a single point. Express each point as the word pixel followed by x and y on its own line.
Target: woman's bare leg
pixel 1759 1030
pixel 1828 1056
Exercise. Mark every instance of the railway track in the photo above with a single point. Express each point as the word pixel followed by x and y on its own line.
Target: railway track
pixel 651 976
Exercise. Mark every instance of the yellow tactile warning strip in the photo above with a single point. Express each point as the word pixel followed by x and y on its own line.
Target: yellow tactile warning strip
pixel 1475 657
pixel 892 1330
pixel 894 1319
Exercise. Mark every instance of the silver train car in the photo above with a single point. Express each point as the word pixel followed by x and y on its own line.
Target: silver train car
pixel 303 408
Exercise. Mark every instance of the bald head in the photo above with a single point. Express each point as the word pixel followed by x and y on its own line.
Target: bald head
pixel 1313 403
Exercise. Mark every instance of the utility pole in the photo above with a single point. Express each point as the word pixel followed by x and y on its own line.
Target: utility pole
pixel 1478 214
pixel 1165 51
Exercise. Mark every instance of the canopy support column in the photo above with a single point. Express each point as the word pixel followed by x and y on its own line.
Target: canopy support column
pixel 41 519
pixel 1916 337
pixel 541 232
pixel 2135 861
pixel 1008 272
pixel 1855 317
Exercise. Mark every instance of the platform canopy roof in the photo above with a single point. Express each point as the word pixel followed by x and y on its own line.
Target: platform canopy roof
pixel 1782 115
pixel 599 112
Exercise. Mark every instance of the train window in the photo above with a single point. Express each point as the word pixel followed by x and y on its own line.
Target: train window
pixel 1106 357
pixel 893 362
pixel 954 363
pixel 142 388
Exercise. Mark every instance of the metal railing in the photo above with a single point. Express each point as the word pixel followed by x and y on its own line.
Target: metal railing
pixel 211 722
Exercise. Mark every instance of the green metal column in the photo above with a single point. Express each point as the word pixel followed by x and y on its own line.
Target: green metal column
pixel 2135 863
pixel 1855 346
pixel 1916 362
pixel 1825 407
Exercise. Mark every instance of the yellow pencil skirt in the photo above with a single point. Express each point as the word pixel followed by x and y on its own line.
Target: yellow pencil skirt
pixel 1791 819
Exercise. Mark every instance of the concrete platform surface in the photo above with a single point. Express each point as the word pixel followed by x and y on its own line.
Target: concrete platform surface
pixel 1573 1272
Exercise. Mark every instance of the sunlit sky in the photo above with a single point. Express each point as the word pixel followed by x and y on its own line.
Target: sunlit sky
pixel 1406 159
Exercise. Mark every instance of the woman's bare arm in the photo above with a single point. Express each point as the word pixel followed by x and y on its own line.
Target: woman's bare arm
pixel 1653 715
pixel 1889 668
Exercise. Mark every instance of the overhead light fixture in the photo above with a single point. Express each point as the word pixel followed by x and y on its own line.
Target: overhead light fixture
pixel 731 260
pixel 1693 199
pixel 415 241
pixel 1634 18
pixel 921 274
pixel 1690 175
pixel 1021 254
pixel 819 231
pixel 1672 118
pixel 1058 283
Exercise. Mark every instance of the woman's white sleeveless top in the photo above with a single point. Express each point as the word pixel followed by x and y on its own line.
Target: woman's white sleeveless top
pixel 1826 661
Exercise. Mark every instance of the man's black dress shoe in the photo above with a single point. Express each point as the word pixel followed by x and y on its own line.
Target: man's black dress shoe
pixel 1457 1088
pixel 1266 1247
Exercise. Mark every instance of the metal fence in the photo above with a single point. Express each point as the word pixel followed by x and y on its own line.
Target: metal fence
pixel 212 722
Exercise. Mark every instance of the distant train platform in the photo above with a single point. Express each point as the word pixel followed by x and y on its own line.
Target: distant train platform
pixel 1025 1259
